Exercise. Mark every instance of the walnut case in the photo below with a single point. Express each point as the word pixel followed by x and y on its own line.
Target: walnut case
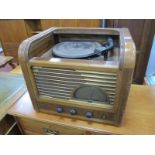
pixel 52 81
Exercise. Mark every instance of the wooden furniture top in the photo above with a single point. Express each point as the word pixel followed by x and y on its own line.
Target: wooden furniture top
pixel 17 70
pixel 4 60
pixel 139 117
pixel 12 87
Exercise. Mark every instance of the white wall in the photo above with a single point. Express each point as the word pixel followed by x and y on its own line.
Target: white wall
pixel 151 64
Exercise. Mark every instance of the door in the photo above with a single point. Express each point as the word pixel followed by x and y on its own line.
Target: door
pixel 142 31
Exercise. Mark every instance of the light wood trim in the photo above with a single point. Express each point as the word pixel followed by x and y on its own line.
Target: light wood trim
pixel 24 58
pixel 127 50
pixel 77 65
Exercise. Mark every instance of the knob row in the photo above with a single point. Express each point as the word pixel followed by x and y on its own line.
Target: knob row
pixel 74 112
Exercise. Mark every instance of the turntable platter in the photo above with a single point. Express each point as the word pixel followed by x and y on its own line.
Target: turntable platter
pixel 75 49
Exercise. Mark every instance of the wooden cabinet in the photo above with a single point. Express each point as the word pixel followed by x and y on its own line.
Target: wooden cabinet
pixel 46 23
pixel 142 31
pixel 38 127
pixel 41 128
pixel 12 33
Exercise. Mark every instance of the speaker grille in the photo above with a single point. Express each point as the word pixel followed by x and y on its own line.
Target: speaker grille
pixel 61 83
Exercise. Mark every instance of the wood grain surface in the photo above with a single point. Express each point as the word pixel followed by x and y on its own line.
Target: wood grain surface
pixel 139 117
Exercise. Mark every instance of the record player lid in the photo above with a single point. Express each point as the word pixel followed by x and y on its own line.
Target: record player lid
pixel 75 49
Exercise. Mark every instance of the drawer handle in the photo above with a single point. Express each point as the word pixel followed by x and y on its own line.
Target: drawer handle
pixel 50 131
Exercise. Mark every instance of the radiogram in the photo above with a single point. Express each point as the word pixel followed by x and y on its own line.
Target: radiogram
pixel 84 73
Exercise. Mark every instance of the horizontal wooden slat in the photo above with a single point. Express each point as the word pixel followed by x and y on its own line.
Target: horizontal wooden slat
pixel 64 90
pixel 72 71
pixel 54 95
pixel 68 87
pixel 75 75
pixel 76 82
pixel 53 89
pixel 60 83
pixel 75 79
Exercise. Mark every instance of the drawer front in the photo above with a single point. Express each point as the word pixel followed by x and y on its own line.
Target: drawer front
pixel 33 127
pixel 36 127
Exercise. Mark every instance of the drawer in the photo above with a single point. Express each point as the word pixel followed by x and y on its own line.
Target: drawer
pixel 37 127
pixel 27 132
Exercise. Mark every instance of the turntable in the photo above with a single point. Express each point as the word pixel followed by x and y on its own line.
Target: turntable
pixel 83 73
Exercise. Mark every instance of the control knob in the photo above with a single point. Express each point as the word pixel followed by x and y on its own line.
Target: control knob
pixel 73 111
pixel 59 109
pixel 89 114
